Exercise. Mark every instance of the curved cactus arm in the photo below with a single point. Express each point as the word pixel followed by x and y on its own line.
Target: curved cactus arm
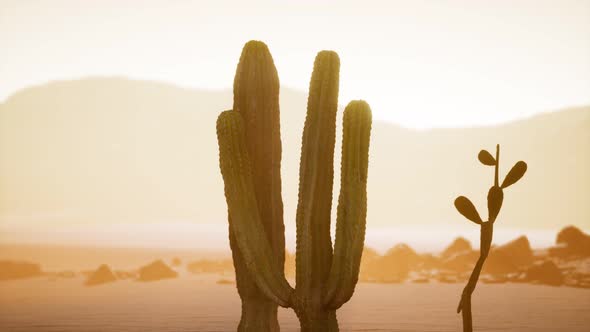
pixel 316 176
pixel 352 205
pixel 241 201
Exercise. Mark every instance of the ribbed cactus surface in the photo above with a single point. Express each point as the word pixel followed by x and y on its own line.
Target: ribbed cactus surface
pixel 250 156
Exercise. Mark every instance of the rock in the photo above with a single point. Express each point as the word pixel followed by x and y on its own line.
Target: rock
pixel 176 262
pixel 429 262
pixel 10 270
pixel 459 245
pixel 420 280
pixel 393 267
pixel 102 275
pixel 396 264
pixel 225 282
pixel 369 264
pixel 369 254
pixel 510 257
pixel 123 275
pixel 461 262
pixel 559 251
pixel 493 279
pixel 545 272
pixel 519 251
pixel 572 242
pixel 156 271
pixel 517 277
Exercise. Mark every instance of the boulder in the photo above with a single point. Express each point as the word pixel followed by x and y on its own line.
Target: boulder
pixel 397 263
pixel 545 272
pixel 459 245
pixel 102 275
pixel 157 270
pixel 429 262
pixel 10 270
pixel 225 282
pixel 519 251
pixel 510 257
pixel 460 262
pixel 123 275
pixel 369 263
pixel 571 243
pixel 176 262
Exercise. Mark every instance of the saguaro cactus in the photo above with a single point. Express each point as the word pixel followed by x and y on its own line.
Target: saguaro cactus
pixel 256 98
pixel 325 278
pixel 468 210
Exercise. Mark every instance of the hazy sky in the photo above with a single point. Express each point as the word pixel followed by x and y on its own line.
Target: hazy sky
pixel 418 63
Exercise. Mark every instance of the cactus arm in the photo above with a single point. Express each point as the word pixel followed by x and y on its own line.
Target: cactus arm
pixel 314 244
pixel 256 97
pixel 246 226
pixel 352 205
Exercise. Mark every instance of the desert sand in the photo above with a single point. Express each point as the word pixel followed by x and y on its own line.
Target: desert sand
pixel 199 303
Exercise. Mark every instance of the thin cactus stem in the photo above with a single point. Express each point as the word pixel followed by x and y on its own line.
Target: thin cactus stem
pixel 495 198
pixel 497 165
pixel 486 232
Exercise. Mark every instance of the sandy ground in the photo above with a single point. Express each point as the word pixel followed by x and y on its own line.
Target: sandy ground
pixel 198 303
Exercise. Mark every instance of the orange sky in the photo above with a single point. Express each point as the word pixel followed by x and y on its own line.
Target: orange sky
pixel 419 63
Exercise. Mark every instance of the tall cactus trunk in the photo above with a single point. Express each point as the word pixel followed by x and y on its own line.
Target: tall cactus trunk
pixel 320 321
pixel 258 312
pixel 256 98
pixel 258 315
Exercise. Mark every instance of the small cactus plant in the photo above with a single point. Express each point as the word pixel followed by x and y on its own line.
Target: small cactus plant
pixel 249 156
pixel 468 210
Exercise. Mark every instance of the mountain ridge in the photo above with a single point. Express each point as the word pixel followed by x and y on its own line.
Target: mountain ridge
pixel 114 150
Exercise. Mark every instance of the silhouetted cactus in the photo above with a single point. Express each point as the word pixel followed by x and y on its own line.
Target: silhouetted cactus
pixel 468 210
pixel 250 166
pixel 256 98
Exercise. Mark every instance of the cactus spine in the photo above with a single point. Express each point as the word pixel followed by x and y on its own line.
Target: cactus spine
pixel 468 210
pixel 325 278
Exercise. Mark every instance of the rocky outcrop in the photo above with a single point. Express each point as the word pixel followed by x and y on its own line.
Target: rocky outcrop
pixel 10 270
pixel 157 270
pixel 571 243
pixel 459 245
pixel 519 251
pixel 396 264
pixel 176 262
pixel 369 264
pixel 511 257
pixel 460 262
pixel 545 272
pixel 101 276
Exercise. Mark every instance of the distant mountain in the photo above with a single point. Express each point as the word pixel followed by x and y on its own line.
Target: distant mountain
pixel 110 150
